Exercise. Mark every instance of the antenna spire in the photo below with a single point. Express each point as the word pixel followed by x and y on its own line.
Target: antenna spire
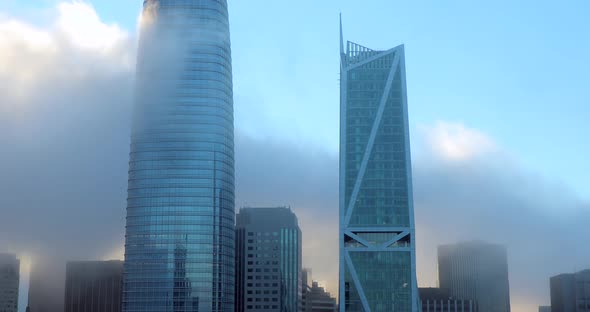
pixel 341 36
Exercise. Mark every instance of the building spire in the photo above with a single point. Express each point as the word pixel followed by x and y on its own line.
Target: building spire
pixel 341 36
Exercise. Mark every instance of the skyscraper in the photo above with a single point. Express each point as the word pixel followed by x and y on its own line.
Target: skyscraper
pixel 9 281
pixel 93 286
pixel 377 251
pixel 570 292
pixel 477 271
pixel 179 249
pixel 268 249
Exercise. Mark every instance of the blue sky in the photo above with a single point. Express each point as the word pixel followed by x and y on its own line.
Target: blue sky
pixel 516 71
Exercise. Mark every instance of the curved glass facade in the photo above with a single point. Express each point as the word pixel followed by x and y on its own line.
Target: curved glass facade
pixel 179 249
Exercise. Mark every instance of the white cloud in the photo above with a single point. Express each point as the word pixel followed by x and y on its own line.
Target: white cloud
pixel 456 142
pixel 14 30
pixel 82 26
pixel 75 46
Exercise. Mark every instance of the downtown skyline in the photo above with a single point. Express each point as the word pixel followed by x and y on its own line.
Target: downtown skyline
pixel 456 147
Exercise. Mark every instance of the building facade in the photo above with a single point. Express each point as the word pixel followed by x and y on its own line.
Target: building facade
pixel 477 271
pixel 268 260
pixel 306 283
pixel 9 282
pixel 544 308
pixel 319 300
pixel 43 295
pixel 93 286
pixel 313 297
pixel 440 300
pixel 570 292
pixel 377 250
pixel 179 249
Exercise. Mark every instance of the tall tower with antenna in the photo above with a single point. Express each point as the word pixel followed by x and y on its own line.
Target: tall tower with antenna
pixel 377 242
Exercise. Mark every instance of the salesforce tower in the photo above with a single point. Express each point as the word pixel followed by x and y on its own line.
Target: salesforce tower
pixel 179 244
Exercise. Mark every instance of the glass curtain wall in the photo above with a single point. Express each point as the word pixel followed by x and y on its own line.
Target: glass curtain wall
pixel 179 251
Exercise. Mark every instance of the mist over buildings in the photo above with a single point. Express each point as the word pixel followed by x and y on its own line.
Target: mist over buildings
pixel 65 121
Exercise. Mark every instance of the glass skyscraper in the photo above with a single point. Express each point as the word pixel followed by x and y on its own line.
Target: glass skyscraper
pixel 377 251
pixel 179 249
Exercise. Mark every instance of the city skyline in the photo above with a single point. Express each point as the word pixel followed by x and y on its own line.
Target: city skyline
pixel 455 147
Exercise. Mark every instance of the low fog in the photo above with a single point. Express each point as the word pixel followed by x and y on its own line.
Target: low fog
pixel 65 111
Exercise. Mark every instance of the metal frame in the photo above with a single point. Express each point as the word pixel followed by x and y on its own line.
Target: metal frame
pixel 397 233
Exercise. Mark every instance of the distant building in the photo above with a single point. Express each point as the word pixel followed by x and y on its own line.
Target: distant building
pixel 268 260
pixel 93 286
pixel 314 298
pixel 544 308
pixel 570 292
pixel 44 294
pixel 306 283
pixel 476 271
pixel 440 300
pixel 318 300
pixel 9 281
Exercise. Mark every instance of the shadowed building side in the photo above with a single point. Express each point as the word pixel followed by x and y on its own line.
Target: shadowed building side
pixel 94 286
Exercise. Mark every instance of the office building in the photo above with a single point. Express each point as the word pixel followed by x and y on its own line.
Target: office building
pixel 306 284
pixel 377 246
pixel 94 286
pixel 313 297
pixel 570 292
pixel 46 291
pixel 440 300
pixel 477 271
pixel 319 300
pixel 9 281
pixel 179 248
pixel 544 308
pixel 268 260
